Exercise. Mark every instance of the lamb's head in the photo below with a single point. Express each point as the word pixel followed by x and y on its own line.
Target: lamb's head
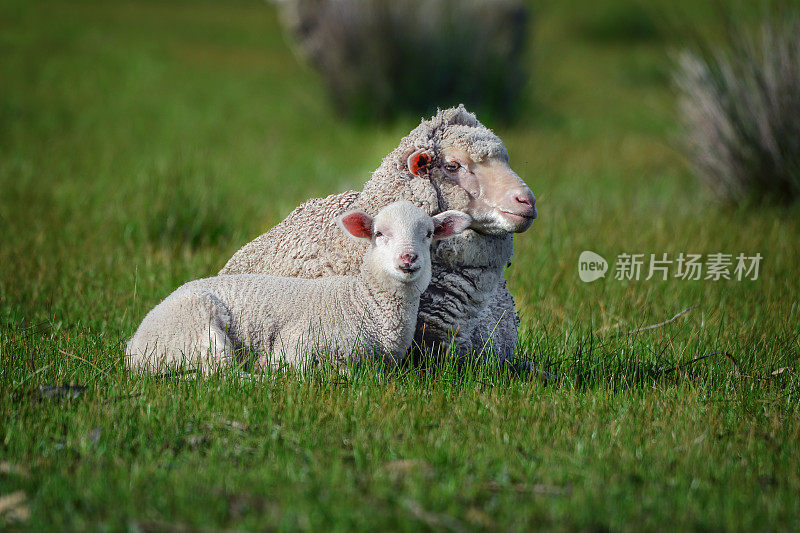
pixel 400 237
pixel 469 166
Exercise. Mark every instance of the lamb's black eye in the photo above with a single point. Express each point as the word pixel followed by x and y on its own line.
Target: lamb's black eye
pixel 378 234
pixel 451 166
pixel 429 234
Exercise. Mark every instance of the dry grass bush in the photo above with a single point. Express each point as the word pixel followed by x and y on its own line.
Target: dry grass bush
pixel 740 104
pixel 379 58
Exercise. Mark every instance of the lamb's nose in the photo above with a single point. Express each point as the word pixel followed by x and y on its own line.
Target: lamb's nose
pixel 408 258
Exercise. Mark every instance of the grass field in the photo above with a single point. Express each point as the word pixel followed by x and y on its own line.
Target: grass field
pixel 142 143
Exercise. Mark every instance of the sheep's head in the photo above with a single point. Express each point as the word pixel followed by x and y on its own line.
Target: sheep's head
pixel 400 236
pixel 469 165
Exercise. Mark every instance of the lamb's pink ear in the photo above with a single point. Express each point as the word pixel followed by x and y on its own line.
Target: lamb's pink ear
pixel 450 223
pixel 420 162
pixel 357 224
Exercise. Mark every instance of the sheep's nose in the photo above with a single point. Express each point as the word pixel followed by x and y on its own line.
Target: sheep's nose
pixel 408 258
pixel 526 199
pixel 523 202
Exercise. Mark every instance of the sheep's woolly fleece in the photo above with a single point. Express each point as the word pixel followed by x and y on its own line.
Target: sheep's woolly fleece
pixel 467 300
pixel 290 321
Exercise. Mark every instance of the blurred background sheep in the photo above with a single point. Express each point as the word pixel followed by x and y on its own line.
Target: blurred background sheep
pixel 378 58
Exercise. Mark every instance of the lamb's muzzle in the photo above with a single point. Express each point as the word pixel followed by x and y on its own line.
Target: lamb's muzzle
pixel 407 262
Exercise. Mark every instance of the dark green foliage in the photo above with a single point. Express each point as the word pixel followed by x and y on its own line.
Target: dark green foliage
pixel 619 22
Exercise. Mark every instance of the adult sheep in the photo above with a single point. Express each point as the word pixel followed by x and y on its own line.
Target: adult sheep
pixel 451 162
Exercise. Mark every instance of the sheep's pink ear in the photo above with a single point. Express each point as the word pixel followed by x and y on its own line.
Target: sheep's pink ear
pixel 357 224
pixel 420 162
pixel 450 223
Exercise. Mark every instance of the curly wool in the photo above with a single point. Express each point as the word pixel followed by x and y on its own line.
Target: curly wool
pixel 467 301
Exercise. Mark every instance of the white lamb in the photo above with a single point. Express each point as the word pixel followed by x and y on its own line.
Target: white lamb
pixel 298 322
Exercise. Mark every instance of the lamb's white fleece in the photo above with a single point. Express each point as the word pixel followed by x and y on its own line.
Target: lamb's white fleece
pixel 299 321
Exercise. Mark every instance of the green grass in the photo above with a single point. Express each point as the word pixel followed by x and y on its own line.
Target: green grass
pixel 142 143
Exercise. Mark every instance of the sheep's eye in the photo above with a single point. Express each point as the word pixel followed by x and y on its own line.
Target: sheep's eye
pixel 378 234
pixel 429 234
pixel 452 166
